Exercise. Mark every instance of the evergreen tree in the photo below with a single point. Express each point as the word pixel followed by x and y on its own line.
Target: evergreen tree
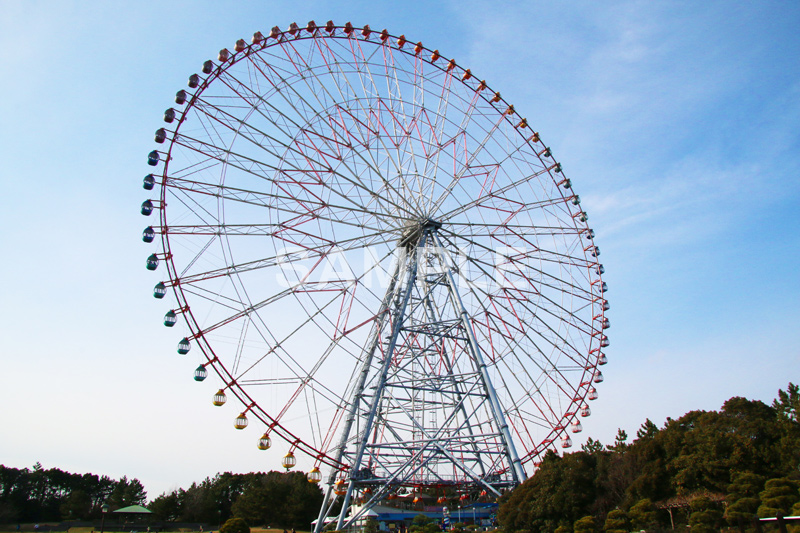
pixel 787 404
pixel 282 499
pixel 586 524
pixel 705 517
pixel 76 506
pixel 743 499
pixel 592 446
pixel 561 491
pixel 726 452
pixel 39 494
pixel 642 515
pixel 616 522
pixel 778 497
pixel 787 407
pixel 127 492
pixel 647 431
pixel 620 442
pixel 166 507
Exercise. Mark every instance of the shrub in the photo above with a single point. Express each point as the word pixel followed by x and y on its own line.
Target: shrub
pixel 585 525
pixel 234 525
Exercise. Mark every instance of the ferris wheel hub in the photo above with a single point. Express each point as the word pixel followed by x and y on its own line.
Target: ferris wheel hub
pixel 414 230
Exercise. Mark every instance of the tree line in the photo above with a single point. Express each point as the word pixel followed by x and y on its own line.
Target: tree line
pixel 277 499
pixel 39 495
pixel 706 469
pixel 273 498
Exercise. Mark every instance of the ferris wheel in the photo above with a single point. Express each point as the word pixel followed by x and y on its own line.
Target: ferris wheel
pixel 381 261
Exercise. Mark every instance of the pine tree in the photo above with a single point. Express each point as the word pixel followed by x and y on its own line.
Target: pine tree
pixel 642 514
pixel 586 524
pixel 743 500
pixel 616 522
pixel 778 497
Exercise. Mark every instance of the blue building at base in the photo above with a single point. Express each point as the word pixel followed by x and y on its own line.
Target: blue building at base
pixel 397 519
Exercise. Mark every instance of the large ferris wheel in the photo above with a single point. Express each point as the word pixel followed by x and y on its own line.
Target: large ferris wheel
pixel 380 259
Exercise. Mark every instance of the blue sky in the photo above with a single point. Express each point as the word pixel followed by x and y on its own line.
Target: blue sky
pixel 678 123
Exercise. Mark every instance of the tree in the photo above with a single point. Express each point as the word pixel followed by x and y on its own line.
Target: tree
pixel 616 522
pixel 751 432
pixel 648 430
pixel 166 507
pixel 276 498
pixel 126 493
pixel 653 482
pixel 787 407
pixel 616 473
pixel 77 506
pixel 726 453
pixel 778 497
pixel 224 490
pixel 787 404
pixel 642 515
pixel 261 504
pixel 99 489
pixel 423 524
pixel 743 499
pixel 195 502
pixel 40 494
pixel 562 490
pixel 701 448
pixel 585 524
pixel 370 526
pixel 234 525
pixel 14 494
pixel 592 446
pixel 620 441
pixel 705 518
